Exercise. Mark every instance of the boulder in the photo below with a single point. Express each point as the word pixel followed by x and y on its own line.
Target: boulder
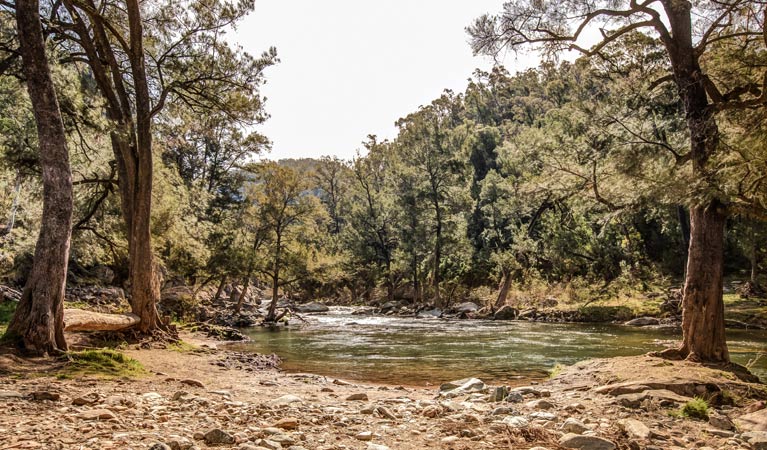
pixel 757 439
pixel 465 307
pixel 312 307
pixel 643 322
pixel 755 421
pixel 429 313
pixel 507 312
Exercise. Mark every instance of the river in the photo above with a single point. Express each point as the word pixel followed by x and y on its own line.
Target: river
pixel 396 350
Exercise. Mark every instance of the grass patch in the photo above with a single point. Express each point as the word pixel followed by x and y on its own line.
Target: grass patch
pixel 104 362
pixel 555 371
pixel 696 408
pixel 182 347
pixel 6 312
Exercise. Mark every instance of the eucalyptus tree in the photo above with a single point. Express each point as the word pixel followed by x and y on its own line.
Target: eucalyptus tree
pixel 689 32
pixel 38 322
pixel 429 143
pixel 140 57
pixel 286 216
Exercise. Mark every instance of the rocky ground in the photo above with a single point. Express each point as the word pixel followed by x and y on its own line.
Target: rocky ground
pixel 203 397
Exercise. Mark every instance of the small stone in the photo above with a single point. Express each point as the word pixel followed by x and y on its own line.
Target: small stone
pixel 386 413
pixel 192 382
pixel 285 400
pixel 268 444
pixel 539 404
pixel 449 439
pixel 160 446
pixel 516 421
pixel 288 423
pixel 515 397
pixel 720 421
pixel 583 442
pixel 97 414
pixel 89 399
pixel 372 446
pixel 573 425
pixel 635 428
pixel 45 395
pixel 543 415
pixel 218 436
pixel 364 436
pixel 358 397
pixel 502 411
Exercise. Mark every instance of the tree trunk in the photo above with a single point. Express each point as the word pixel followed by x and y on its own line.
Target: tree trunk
pixel 684 227
pixel 754 258
pixel 37 325
pixel 220 289
pixel 271 315
pixel 145 283
pixel 503 290
pixel 702 305
pixel 437 255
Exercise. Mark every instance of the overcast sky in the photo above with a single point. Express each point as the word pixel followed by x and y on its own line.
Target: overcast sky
pixel 350 68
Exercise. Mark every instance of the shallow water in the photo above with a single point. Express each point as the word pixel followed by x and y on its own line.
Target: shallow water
pixel 429 351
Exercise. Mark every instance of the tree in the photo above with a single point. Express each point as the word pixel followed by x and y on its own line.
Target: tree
pixel 429 144
pixel 187 59
pixel 549 25
pixel 283 207
pixel 37 325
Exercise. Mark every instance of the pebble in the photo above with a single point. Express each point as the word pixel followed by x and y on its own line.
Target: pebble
pixel 358 397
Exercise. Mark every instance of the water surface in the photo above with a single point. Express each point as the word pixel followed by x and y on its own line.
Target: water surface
pixel 429 351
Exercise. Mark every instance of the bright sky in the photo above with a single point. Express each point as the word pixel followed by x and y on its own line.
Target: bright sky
pixel 350 68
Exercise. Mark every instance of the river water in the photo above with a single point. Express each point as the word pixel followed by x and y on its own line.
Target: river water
pixel 411 351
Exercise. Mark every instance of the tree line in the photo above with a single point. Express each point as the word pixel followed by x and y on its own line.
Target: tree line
pixel 642 160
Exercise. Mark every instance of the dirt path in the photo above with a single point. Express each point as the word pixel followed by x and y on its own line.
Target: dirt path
pixel 189 401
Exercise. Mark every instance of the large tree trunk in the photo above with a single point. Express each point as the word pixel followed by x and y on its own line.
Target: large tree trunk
pixel 684 227
pixel 702 304
pixel 37 325
pixel 145 283
pixel 271 316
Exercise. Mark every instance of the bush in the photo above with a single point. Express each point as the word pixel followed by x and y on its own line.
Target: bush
pixel 696 408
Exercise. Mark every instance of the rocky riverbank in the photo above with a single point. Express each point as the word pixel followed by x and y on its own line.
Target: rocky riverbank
pixel 205 397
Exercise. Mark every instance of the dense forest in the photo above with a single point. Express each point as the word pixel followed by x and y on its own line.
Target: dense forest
pixel 576 179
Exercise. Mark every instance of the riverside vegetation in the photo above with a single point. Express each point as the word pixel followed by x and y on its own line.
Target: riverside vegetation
pixel 624 185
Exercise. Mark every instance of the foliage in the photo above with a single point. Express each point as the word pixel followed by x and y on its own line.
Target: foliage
pixel 696 408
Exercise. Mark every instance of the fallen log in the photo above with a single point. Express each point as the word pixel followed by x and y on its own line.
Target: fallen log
pixel 81 320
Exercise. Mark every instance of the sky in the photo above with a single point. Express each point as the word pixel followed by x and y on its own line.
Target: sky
pixel 350 68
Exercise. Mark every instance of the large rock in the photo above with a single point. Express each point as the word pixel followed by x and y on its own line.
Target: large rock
pixel 660 395
pixel 507 312
pixel 466 307
pixel 643 322
pixel 429 313
pixel 572 440
pixel 757 439
pixel 312 307
pixel 635 428
pixel 756 421
pixel 218 436
pixel 461 387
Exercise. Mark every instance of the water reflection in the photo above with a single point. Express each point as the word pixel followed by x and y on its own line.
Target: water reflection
pixel 420 351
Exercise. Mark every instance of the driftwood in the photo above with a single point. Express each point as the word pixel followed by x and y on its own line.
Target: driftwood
pixel 81 320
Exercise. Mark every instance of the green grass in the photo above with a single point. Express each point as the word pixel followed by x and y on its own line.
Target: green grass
pixel 555 371
pixel 104 362
pixel 182 347
pixel 6 312
pixel 696 408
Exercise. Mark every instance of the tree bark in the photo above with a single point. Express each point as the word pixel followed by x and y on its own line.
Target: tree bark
pixel 220 289
pixel 684 226
pixel 37 325
pixel 271 316
pixel 702 304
